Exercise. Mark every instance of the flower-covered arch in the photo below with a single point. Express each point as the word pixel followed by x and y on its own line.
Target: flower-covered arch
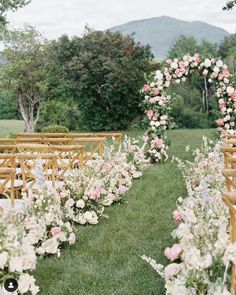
pixel 157 102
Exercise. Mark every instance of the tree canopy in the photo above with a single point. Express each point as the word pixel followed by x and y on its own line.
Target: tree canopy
pixel 10 5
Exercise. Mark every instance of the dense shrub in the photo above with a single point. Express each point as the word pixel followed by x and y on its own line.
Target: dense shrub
pixel 58 113
pixel 55 129
pixel 109 69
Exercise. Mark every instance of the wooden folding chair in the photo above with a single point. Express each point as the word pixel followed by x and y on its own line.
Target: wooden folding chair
pixel 93 146
pixel 28 163
pixel 54 135
pixel 7 141
pixel 7 148
pixel 27 140
pixel 33 148
pixel 229 199
pixel 57 141
pixel 28 135
pixel 229 155
pixel 9 161
pixel 7 177
pixel 68 158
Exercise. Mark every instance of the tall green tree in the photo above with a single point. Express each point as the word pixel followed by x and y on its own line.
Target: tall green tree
pixel 103 72
pixel 183 45
pixel 23 75
pixel 10 5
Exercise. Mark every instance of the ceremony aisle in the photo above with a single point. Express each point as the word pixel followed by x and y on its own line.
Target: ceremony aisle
pixel 106 257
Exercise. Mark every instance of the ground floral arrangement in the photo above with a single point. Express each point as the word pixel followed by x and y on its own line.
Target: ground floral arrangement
pixel 157 102
pixel 52 216
pixel 201 255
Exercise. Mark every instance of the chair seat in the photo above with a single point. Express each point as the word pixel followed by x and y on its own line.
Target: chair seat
pixel 35 186
pixel 19 206
pixel 17 183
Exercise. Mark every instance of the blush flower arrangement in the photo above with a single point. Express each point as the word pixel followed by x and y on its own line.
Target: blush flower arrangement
pixel 157 103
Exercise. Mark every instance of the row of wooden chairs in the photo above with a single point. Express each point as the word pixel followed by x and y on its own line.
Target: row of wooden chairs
pixel 116 135
pixel 92 146
pixel 229 197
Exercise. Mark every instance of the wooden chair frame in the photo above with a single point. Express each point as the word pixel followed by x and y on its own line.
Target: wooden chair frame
pixel 33 148
pixel 8 176
pixel 96 145
pixel 26 166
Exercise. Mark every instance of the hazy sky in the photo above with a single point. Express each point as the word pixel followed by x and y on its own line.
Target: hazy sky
pixel 55 17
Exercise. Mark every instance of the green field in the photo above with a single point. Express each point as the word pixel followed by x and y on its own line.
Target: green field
pixel 106 258
pixel 10 126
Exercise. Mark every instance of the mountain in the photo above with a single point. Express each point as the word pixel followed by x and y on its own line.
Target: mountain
pixel 161 32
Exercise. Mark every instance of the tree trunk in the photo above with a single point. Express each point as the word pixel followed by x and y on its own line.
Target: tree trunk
pixel 28 113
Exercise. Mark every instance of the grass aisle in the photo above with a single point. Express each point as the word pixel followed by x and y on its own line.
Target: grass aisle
pixel 106 258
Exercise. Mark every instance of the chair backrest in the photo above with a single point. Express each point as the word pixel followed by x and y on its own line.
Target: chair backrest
pixel 7 160
pixel 28 135
pixel 28 163
pixel 229 153
pixel 54 135
pixel 230 177
pixel 34 140
pixel 7 178
pixel 33 148
pixel 92 145
pixel 116 135
pixel 68 157
pixel 6 148
pixel 7 141
pixel 57 141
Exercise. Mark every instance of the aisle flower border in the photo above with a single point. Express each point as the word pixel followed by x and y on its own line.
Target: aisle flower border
pixel 157 103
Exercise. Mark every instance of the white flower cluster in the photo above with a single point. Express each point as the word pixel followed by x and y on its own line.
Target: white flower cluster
pixel 157 103
pixel 17 255
pixel 204 247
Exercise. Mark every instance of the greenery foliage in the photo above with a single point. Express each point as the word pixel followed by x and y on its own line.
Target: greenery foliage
pixel 12 5
pixel 55 112
pixel 55 129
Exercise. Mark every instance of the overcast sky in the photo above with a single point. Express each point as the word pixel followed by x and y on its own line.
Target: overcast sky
pixel 55 17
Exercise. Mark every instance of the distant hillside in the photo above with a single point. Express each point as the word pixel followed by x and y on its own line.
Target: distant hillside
pixel 161 32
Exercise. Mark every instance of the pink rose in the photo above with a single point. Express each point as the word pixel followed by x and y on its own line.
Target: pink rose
pixel 146 88
pixel 158 143
pixel 125 173
pixel 150 114
pixel 233 96
pixel 155 91
pixel 220 122
pixel 94 193
pixel 29 262
pixel 225 73
pixel 153 99
pixel 122 189
pixel 168 61
pixel 197 58
pixel 177 216
pixel 55 231
pixel 72 239
pixel 205 72
pixel 174 252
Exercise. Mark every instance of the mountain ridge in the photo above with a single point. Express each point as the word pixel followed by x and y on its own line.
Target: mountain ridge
pixel 161 32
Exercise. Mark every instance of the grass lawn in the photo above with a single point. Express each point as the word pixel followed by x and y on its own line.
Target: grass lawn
pixel 10 126
pixel 106 258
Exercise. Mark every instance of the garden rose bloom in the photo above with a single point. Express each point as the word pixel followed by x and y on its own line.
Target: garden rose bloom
pixel 80 204
pixel 168 61
pixel 153 99
pixel 205 72
pixel 174 252
pixel 155 91
pixel 3 259
pixel 150 114
pixel 95 193
pixel 233 96
pixel 158 143
pixel 177 216
pixel 146 88
pixel 122 189
pixel 220 122
pixel 225 73
pixel 55 231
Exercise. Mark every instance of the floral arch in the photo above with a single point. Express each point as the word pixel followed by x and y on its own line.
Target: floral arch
pixel 157 102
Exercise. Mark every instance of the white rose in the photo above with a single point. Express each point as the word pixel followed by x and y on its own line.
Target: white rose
pixel 226 81
pixel 50 246
pixel 230 90
pixel 91 217
pixel 24 283
pixel 219 63
pixel 80 219
pixel 3 259
pixel 80 204
pixel 174 65
pixel 216 70
pixel 159 75
pixel 16 264
pixel 207 63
